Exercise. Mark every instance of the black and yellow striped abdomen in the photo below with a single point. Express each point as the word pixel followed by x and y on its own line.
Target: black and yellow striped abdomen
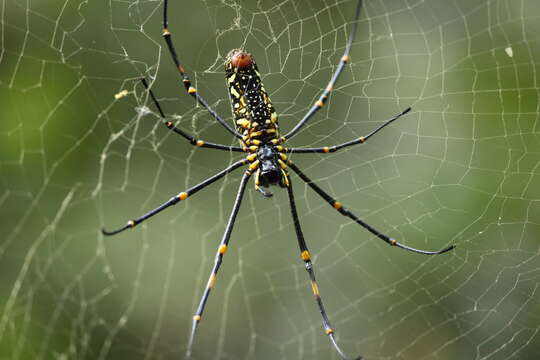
pixel 254 114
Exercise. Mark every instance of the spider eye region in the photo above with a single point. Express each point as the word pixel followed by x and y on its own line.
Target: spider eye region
pixel 240 59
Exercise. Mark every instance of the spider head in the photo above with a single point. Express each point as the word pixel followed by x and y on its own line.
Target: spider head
pixel 269 166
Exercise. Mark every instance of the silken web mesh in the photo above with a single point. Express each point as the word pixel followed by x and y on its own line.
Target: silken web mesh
pixel 463 167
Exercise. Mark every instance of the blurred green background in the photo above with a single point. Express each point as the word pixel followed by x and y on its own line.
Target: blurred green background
pixel 463 167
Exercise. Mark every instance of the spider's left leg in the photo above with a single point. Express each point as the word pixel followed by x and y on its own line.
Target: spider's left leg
pixel 192 140
pixel 177 198
pixel 326 92
pixel 344 211
pixel 309 267
pixel 185 78
pixel 217 263
pixel 360 140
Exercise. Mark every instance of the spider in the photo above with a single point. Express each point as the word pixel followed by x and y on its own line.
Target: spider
pixel 257 129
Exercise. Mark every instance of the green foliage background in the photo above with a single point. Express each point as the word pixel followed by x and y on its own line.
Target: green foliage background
pixel 462 168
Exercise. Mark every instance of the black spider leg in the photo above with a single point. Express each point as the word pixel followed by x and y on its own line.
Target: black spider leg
pixel 185 78
pixel 176 199
pixel 326 93
pixel 219 258
pixel 309 267
pixel 360 140
pixel 193 141
pixel 344 211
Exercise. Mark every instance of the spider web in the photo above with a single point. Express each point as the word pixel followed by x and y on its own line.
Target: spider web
pixel 463 167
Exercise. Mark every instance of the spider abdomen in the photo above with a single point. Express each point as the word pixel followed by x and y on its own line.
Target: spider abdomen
pixel 254 114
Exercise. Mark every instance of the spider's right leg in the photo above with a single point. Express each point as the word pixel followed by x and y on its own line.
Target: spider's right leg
pixel 193 141
pixel 176 199
pixel 311 273
pixel 219 258
pixel 185 78
pixel 326 92
pixel 360 140
pixel 346 212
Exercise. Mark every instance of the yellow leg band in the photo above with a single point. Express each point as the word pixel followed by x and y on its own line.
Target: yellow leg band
pixel 222 249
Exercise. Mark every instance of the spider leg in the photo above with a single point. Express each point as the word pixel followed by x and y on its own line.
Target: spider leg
pixel 177 198
pixel 193 141
pixel 326 92
pixel 309 267
pixel 185 78
pixel 344 211
pixel 219 258
pixel 360 140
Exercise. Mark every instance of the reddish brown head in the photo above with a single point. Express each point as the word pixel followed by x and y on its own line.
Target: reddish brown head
pixel 239 58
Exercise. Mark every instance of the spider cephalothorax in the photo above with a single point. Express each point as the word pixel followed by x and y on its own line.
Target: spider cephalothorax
pixel 256 127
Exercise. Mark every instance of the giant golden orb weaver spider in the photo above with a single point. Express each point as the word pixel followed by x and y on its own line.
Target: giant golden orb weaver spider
pixel 257 129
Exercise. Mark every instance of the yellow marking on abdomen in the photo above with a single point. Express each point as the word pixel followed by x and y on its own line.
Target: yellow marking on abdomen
pixel 305 255
pixel 234 92
pixel 243 123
